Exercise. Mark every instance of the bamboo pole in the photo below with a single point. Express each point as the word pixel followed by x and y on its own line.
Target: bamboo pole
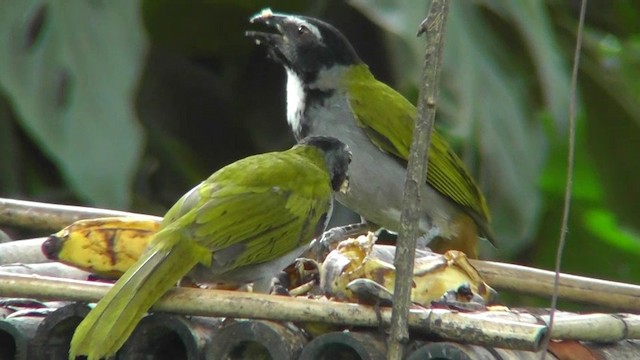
pixel 515 329
pixel 451 325
pixel 44 216
pixel 604 328
pixel 501 276
pixel 580 289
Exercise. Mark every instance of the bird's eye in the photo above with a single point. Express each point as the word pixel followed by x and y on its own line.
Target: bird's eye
pixel 302 30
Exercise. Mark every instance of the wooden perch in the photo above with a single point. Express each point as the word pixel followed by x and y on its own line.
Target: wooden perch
pixel 501 276
pixel 451 325
pixel 512 329
pixel 43 216
pixel 604 328
pixel 580 289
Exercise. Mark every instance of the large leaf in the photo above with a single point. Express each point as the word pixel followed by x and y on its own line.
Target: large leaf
pixel 597 222
pixel 490 100
pixel 532 21
pixel 70 69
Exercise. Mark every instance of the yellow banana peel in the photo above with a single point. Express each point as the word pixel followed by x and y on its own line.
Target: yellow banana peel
pixel 104 246
pixel 434 274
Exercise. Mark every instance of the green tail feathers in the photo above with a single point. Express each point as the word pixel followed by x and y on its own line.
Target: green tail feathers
pixel 109 324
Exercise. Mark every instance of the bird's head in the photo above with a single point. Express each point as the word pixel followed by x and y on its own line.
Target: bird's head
pixel 302 44
pixel 337 157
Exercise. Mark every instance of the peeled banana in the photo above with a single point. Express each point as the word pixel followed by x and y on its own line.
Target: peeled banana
pixel 106 246
pixel 360 264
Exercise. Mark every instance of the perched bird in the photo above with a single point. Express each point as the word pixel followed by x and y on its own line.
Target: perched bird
pixel 243 224
pixel 331 92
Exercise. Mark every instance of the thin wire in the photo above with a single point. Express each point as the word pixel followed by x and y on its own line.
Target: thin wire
pixel 570 165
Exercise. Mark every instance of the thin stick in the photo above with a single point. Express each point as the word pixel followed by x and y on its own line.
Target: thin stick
pixel 44 216
pixel 570 165
pixel 434 26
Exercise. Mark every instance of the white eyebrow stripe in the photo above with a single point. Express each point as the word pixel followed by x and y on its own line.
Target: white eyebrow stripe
pixel 314 29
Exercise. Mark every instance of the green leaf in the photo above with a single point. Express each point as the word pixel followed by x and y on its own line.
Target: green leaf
pixel 596 243
pixel 586 183
pixel 70 69
pixel 612 133
pixel 603 224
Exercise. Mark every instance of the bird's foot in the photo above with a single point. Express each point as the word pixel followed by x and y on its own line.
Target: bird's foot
pixel 279 285
pixel 330 238
pixel 425 239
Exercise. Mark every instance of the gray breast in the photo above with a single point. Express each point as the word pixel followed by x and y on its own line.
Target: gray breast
pixel 376 179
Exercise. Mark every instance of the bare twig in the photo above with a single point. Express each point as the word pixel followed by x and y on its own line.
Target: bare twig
pixel 43 216
pixel 434 26
pixel 570 166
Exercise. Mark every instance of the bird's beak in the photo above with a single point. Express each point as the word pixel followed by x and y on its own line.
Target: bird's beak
pixel 279 45
pixel 268 18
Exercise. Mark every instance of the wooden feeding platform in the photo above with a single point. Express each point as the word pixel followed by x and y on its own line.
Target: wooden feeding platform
pixel 41 303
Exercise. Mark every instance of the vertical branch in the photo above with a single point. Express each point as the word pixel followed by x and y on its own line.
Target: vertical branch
pixel 570 165
pixel 434 27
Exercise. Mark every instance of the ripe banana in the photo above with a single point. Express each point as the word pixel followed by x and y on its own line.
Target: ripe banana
pixel 104 246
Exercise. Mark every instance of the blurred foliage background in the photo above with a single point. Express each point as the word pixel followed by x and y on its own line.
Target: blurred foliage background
pixel 128 104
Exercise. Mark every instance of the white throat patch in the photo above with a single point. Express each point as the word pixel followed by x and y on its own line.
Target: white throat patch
pixel 295 100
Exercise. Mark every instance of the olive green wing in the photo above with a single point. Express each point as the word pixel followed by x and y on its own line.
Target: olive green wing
pixel 388 120
pixel 251 214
